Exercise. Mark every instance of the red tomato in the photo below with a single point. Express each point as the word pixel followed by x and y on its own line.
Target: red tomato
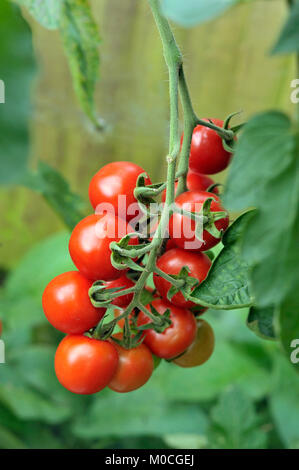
pixel 171 263
pixel 195 182
pixel 177 337
pixel 114 180
pixel 85 365
pixel 126 283
pixel 207 154
pixel 67 305
pixel 134 368
pixel 89 245
pixel 201 349
pixel 182 228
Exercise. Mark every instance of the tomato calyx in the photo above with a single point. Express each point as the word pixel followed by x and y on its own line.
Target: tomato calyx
pixel 160 322
pixel 101 296
pixel 145 193
pixel 181 282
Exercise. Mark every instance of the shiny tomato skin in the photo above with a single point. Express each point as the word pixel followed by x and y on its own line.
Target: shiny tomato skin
pixel 195 182
pixel 89 245
pixel 199 182
pixel 201 349
pixel 182 231
pixel 126 283
pixel 135 367
pixel 67 306
pixel 171 262
pixel 113 180
pixel 85 365
pixel 177 337
pixel 207 155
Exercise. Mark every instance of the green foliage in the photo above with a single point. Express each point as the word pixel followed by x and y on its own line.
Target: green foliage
pixel 33 405
pixel 17 76
pixel 261 322
pixel 288 40
pixel 47 12
pixel 288 324
pixel 235 423
pixel 81 39
pixel 79 33
pixel 284 404
pixel 264 174
pixel 56 191
pixel 227 284
pixel 191 12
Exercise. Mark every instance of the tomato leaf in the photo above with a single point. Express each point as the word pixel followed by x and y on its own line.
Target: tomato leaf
pixel 56 191
pixel 81 40
pixel 265 174
pixel 191 12
pixel 15 36
pixel 261 322
pixel 227 284
pixel 288 328
pixel 288 40
pixel 47 12
pixel 235 423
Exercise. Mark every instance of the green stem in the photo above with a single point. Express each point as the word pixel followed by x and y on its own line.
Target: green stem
pixel 175 282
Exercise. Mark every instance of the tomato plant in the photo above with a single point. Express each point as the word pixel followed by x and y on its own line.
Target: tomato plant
pixel 207 155
pixel 90 245
pixel 183 230
pixel 85 365
pixel 67 305
pixel 177 337
pixel 135 367
pixel 114 180
pixel 171 263
pixel 201 349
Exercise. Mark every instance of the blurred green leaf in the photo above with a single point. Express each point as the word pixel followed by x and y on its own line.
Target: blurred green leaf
pixel 227 365
pixel 264 173
pixel 288 327
pixel 261 322
pixel 227 284
pixel 81 40
pixel 20 301
pixel 56 191
pixel 191 12
pixel 46 12
pixel 288 40
pixel 146 411
pixel 9 441
pixel 284 403
pixel 235 423
pixel 17 72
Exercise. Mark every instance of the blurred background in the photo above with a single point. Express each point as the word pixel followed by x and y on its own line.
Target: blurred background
pixel 246 396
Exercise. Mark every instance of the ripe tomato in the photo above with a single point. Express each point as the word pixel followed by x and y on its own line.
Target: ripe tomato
pixel 207 154
pixel 195 182
pixel 126 283
pixel 85 365
pixel 114 180
pixel 201 349
pixel 134 368
pixel 67 305
pixel 182 228
pixel 171 262
pixel 89 245
pixel 177 337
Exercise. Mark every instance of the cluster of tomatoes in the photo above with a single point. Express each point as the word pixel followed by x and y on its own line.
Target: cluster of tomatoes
pixel 84 363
